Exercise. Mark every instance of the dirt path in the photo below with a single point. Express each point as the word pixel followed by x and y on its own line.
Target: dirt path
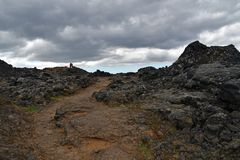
pixel 84 129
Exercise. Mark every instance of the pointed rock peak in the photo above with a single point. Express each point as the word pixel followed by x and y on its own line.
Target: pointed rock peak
pixel 197 53
pixel 196 45
pixel 193 49
pixel 4 64
pixel 232 47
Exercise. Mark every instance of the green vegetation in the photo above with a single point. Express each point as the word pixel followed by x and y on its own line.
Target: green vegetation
pixel 31 108
pixel 145 151
pixel 55 98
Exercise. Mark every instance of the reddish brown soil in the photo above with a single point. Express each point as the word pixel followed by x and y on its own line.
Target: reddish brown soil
pixel 93 131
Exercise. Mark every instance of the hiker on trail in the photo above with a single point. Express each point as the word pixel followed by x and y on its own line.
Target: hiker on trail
pixel 71 65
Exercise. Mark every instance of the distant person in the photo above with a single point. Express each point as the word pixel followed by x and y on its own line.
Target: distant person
pixel 71 65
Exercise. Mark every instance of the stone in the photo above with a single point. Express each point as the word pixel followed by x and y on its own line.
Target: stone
pixel 100 96
pixel 214 126
pixel 181 118
pixel 233 145
pixel 225 135
pixel 230 93
pixel 148 73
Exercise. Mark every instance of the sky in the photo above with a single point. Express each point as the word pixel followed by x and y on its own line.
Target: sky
pixel 112 35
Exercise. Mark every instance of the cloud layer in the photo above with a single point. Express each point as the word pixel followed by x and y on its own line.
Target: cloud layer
pixel 112 32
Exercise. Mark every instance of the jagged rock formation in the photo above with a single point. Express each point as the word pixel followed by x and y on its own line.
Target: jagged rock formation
pixel 27 87
pixel 198 94
pixel 196 54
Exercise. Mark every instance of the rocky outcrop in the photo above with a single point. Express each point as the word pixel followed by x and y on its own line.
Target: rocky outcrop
pixel 196 54
pixel 198 95
pixel 33 87
pixel 120 91
pixel 101 73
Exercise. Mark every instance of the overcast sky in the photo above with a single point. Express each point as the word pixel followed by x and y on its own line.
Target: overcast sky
pixel 114 35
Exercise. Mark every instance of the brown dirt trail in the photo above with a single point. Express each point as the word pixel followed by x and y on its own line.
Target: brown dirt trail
pixel 87 130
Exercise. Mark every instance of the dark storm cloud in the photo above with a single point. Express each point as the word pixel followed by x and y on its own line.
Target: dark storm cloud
pixel 80 30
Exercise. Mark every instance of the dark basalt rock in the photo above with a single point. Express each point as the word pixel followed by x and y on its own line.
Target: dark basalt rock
pixel 65 71
pixel 101 73
pixel 5 69
pixel 100 96
pixel 148 73
pixel 199 94
pixel 196 54
pixel 230 93
pixel 31 86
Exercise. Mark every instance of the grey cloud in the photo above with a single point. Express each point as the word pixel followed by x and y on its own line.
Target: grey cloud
pixel 96 25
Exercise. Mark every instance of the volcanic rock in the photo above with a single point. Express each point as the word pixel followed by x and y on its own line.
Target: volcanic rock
pixel 198 94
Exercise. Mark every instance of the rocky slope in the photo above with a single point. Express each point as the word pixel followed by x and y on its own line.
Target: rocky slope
pixel 199 95
pixel 24 91
pixel 33 87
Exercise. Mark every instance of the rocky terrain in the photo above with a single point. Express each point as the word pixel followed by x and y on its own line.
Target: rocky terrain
pixel 33 87
pixel 189 110
pixel 24 90
pixel 15 129
pixel 199 95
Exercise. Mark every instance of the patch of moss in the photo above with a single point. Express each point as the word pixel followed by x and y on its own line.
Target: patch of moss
pixel 31 108
pixel 145 151
pixel 55 98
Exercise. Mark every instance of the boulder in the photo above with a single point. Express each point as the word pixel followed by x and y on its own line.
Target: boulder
pixel 214 74
pixel 101 96
pixel 214 125
pixel 147 73
pixel 181 118
pixel 230 93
